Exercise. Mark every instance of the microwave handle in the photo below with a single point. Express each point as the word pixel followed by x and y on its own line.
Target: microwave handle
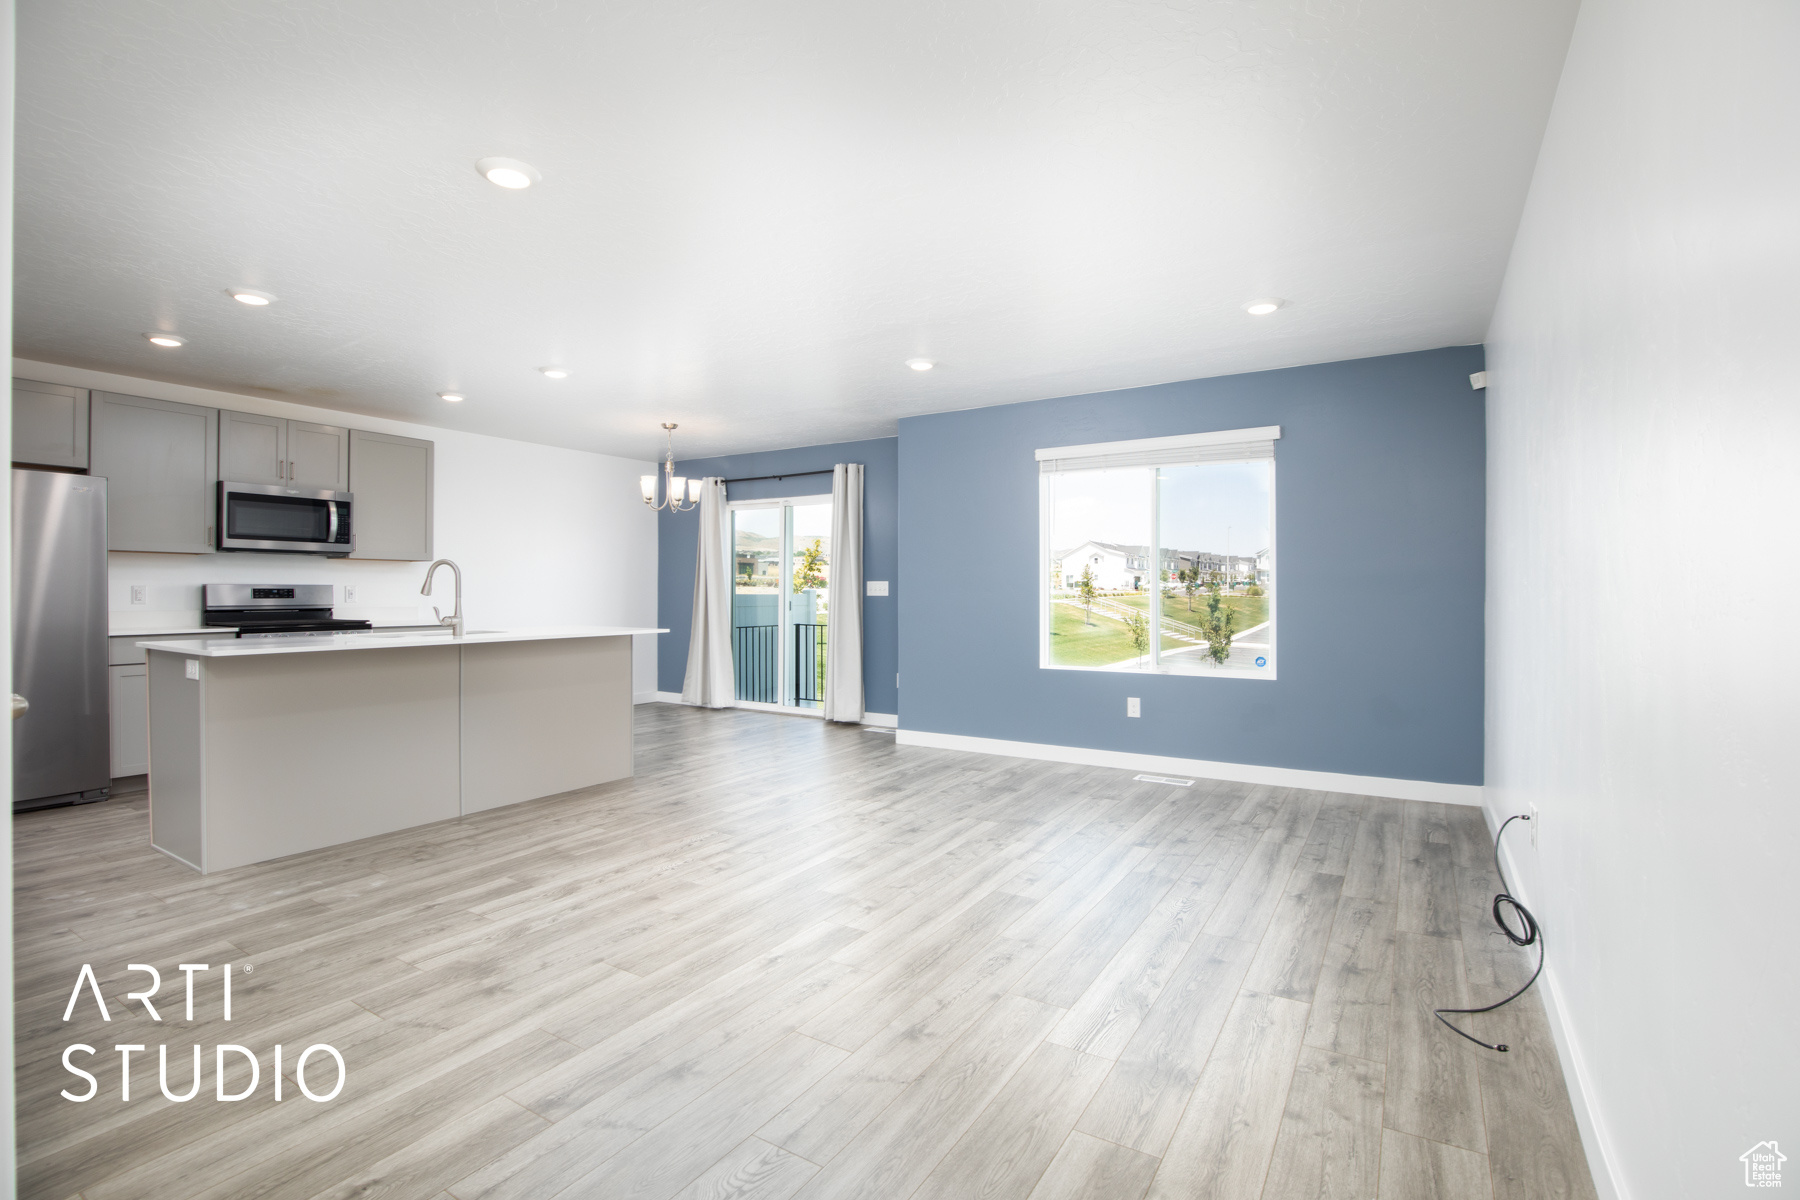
pixel 331 507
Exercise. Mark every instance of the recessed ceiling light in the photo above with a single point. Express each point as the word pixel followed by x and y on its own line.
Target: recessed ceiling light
pixel 165 339
pixel 453 397
pixel 555 372
pixel 920 364
pixel 251 296
pixel 1262 308
pixel 508 172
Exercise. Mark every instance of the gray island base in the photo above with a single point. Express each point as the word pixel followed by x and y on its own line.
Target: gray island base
pixel 261 749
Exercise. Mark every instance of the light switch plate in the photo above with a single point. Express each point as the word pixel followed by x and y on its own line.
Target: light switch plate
pixel 875 587
pixel 193 668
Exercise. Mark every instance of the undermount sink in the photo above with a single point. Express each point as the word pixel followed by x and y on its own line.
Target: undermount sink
pixel 430 633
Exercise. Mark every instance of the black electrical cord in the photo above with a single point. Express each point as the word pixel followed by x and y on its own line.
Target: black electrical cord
pixel 1526 934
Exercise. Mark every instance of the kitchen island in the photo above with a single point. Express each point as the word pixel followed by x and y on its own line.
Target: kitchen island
pixel 264 748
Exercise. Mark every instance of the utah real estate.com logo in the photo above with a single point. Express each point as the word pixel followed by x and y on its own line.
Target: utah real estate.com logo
pixel 1762 1165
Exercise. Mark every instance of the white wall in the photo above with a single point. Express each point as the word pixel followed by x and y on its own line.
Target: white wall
pixel 7 1125
pixel 544 536
pixel 1643 420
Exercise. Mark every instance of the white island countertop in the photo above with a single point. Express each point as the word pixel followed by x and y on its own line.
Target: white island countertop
pixel 375 639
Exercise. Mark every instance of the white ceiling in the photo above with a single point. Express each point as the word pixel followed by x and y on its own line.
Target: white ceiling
pixel 752 214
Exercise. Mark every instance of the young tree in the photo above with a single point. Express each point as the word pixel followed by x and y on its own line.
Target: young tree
pixel 1190 583
pixel 1087 592
pixel 809 572
pixel 1218 624
pixel 1138 626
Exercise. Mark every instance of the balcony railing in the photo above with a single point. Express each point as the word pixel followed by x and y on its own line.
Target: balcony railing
pixel 755 655
pixel 809 663
pixel 754 652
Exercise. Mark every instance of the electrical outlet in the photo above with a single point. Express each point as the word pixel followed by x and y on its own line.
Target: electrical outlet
pixel 1132 708
pixel 1535 822
pixel 349 593
pixel 193 668
pixel 140 593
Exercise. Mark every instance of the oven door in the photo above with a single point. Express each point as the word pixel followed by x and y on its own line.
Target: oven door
pixel 262 516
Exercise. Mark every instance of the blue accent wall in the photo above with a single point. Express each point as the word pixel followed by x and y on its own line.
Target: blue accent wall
pixel 1380 511
pixel 678 538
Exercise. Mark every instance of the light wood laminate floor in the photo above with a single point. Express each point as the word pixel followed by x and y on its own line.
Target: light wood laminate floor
pixel 792 959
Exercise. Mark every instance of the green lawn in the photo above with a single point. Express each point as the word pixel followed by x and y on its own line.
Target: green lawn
pixel 1074 643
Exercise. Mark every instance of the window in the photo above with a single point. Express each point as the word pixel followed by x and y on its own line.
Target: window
pixel 1159 555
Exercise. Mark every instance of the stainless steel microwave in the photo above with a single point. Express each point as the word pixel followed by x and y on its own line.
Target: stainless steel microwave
pixel 272 516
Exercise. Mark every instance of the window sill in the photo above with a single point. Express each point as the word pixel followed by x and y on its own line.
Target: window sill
pixel 1262 676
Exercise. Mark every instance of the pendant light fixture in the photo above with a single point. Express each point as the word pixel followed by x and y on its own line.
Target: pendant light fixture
pixel 674 486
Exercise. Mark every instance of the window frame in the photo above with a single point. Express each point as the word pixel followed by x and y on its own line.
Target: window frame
pixel 1159 447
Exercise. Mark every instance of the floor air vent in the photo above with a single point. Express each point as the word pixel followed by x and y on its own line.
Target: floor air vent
pixel 1165 779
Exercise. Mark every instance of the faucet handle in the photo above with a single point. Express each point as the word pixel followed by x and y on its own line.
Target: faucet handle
pixel 437 614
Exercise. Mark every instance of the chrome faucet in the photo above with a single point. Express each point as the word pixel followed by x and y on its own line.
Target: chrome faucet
pixel 455 619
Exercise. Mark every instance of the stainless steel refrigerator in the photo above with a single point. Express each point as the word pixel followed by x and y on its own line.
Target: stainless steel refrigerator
pixel 61 747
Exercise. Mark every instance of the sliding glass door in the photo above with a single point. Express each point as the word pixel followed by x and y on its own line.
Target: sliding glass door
pixel 780 600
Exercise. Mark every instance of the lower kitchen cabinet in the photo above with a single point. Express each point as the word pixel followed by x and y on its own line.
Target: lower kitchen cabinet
pixel 130 720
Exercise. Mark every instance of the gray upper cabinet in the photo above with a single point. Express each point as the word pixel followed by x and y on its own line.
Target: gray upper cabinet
pixel 259 449
pixel 390 477
pixel 252 448
pixel 161 461
pixel 49 424
pixel 318 456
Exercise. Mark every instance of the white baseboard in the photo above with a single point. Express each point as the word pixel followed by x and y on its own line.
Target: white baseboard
pixel 1324 781
pixel 666 697
pixel 881 720
pixel 645 697
pixel 1608 1183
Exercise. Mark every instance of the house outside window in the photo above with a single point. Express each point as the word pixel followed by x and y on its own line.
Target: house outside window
pixel 1201 508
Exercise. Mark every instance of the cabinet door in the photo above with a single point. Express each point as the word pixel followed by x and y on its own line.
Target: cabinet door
pixel 252 448
pixel 49 424
pixel 130 720
pixel 161 463
pixel 391 479
pixel 318 456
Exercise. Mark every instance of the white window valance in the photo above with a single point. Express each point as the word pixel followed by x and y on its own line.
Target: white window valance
pixel 1227 445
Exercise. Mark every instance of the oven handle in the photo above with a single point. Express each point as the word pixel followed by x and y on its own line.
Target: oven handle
pixel 331 521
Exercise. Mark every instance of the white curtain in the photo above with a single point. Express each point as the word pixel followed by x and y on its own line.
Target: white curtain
pixel 843 630
pixel 709 675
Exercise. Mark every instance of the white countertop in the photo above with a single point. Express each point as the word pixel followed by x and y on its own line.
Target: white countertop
pixel 378 640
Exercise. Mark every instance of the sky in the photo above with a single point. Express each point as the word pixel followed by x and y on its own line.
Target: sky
pixel 1222 508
